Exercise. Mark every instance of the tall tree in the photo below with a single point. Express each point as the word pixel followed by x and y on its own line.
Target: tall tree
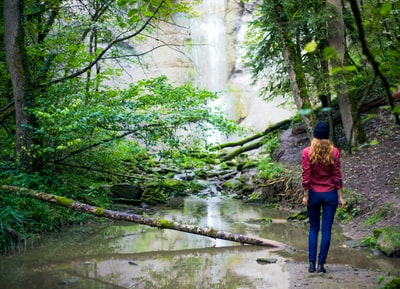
pixel 18 66
pixel 330 67
pixel 291 52
pixel 336 39
pixel 275 53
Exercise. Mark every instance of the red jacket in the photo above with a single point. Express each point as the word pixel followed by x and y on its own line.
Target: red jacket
pixel 318 177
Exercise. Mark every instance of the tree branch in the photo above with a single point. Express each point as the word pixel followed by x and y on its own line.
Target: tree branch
pixel 108 47
pixel 93 146
pixel 370 57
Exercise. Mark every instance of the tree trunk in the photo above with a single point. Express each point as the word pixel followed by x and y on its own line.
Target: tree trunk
pixel 298 88
pixel 159 223
pixel 336 39
pixel 17 64
pixel 291 55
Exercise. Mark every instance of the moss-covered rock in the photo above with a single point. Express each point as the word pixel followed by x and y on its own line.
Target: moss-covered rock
pixel 232 184
pixel 300 216
pixel 126 191
pixel 392 284
pixel 388 241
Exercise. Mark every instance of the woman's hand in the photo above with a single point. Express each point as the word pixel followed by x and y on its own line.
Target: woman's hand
pixel 342 202
pixel 305 200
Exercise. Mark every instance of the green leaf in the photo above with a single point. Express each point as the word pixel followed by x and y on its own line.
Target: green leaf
pixel 335 70
pixel 133 13
pixel 329 53
pixel 385 8
pixel 350 68
pixel 311 46
pixel 374 142
pixel 148 13
pixel 122 2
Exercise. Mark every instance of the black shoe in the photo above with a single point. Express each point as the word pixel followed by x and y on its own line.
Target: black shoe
pixel 321 268
pixel 311 269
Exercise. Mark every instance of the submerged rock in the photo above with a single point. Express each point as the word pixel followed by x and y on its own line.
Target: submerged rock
pixel 267 260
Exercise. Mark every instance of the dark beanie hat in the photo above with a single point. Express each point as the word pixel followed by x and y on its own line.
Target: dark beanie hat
pixel 321 130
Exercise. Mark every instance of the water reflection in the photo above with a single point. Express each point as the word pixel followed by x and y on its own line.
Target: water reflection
pixel 126 255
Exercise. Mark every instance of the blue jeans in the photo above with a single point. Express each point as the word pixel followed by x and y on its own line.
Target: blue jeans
pixel 328 202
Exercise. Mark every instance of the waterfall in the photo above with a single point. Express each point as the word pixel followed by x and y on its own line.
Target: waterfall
pixel 209 51
pixel 216 54
pixel 214 63
pixel 210 45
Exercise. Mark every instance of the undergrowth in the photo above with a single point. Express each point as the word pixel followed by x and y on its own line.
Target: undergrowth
pixel 22 216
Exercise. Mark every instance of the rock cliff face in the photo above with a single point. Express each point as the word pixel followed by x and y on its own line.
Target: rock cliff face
pixel 207 51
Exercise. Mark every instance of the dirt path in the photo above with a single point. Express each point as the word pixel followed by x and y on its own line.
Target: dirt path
pixel 337 277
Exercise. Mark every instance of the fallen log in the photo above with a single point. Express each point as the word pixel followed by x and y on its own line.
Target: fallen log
pixel 241 150
pixel 279 125
pixel 159 223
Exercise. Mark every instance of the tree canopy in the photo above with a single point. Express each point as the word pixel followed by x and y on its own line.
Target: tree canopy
pixel 63 56
pixel 325 51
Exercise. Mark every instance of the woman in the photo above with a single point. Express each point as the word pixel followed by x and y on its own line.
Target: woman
pixel 322 183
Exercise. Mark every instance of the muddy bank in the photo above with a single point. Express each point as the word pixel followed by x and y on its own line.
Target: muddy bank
pixel 337 277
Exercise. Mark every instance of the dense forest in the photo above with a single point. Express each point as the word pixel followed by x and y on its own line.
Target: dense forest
pixel 66 130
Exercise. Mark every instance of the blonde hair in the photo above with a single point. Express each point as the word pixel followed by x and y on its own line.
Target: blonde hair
pixel 321 151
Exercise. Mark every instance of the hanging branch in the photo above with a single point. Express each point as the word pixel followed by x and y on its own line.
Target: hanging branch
pixel 368 54
pixel 359 110
pixel 159 223
pixel 102 142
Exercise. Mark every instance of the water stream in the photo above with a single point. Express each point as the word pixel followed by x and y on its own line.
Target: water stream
pixel 126 255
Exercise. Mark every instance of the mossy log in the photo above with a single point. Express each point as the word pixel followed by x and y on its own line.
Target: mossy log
pixel 159 223
pixel 279 125
pixel 242 149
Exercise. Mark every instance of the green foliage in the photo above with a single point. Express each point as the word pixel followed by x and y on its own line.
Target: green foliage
pixel 369 242
pixel 271 143
pixel 254 197
pixel 169 119
pixel 280 30
pixel 344 215
pixel 24 216
pixel 10 221
pixel 148 8
pixel 380 214
pixel 86 133
pixel 275 21
pixel 267 221
pixel 267 169
pixel 394 283
pixel 351 209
